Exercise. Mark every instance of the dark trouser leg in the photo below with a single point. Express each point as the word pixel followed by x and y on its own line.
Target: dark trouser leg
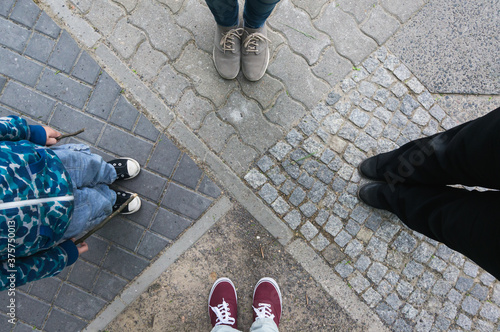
pixel 225 11
pixel 468 154
pixel 256 12
pixel 466 221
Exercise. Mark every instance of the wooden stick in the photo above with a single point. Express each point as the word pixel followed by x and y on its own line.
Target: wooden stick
pixel 69 135
pixel 105 221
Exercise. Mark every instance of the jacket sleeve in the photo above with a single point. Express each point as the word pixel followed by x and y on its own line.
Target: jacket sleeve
pixel 14 128
pixel 44 264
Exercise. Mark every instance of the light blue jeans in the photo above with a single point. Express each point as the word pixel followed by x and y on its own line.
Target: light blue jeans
pixel 255 12
pixel 90 176
pixel 260 325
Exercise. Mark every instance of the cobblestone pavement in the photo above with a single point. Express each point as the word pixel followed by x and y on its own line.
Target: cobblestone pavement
pixel 336 91
pixel 46 78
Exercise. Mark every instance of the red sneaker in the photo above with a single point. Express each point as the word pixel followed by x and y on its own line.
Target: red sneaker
pixel 267 300
pixel 222 303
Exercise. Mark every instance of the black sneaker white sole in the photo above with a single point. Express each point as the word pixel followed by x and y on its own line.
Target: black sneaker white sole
pixel 121 198
pixel 126 168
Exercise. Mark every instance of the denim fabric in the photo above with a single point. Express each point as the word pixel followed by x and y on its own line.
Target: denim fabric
pixel 255 12
pixel 260 325
pixel 90 175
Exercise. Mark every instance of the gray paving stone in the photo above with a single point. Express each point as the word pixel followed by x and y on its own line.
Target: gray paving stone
pixel 308 209
pixel 490 312
pixel 255 178
pixel 380 26
pixel 108 286
pixel 70 120
pixel 343 238
pixel 185 202
pixel 13 35
pixel 358 282
pixel 169 224
pixel 151 245
pixel 287 187
pixel 371 297
pixel 382 77
pixel 63 88
pixel 426 100
pixel 47 26
pixel 413 270
pixel 470 269
pixel 164 157
pixel 164 34
pixel 45 289
pixel 280 206
pixel 437 112
pixel 83 274
pixel 125 38
pixel 276 176
pixel 362 263
pixel 377 249
pixel 25 12
pixel 306 181
pixel 387 231
pixel 423 253
pixel 65 53
pixel 27 101
pixel 385 312
pixel 437 264
pixel 198 65
pixel 116 258
pixel 208 187
pixel 451 274
pixel 487 279
pixel 332 68
pixel 285 112
pixel 376 272
pixel 268 193
pixel 344 268
pixel 147 62
pixel 405 243
pixel 354 248
pixel 103 15
pixel 3 80
pixel 415 85
pixel 80 303
pixel 471 305
pixel 391 62
pixel 124 144
pixel 124 115
pixel 311 90
pixel 238 155
pixel 359 9
pixel 480 292
pixel 61 321
pixel 191 108
pixel 296 25
pixel 12 64
pixel 349 41
pixel 197 19
pixel 39 47
pixel 187 173
pixel 104 96
pixel 464 322
pixel 86 69
pixel 146 129
pixel 247 118
pixel 6 6
pixel 352 227
pixel 122 232
pixel 99 249
pixel 293 218
pixel 309 231
pixel 404 289
pixel 265 163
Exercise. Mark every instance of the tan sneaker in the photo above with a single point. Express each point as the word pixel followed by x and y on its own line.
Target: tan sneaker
pixel 255 53
pixel 227 51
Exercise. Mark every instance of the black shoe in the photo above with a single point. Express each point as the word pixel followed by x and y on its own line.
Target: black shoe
pixel 368 169
pixel 126 168
pixel 121 198
pixel 372 194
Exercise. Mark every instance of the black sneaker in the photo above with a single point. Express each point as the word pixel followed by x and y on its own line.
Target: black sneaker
pixel 126 168
pixel 121 198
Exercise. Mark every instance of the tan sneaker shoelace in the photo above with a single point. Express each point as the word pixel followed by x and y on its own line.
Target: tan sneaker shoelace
pixel 252 42
pixel 227 41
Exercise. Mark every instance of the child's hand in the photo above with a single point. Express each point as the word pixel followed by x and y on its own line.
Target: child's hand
pixel 82 247
pixel 51 135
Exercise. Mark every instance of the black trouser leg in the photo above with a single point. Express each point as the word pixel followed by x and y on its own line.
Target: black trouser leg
pixel 468 154
pixel 466 221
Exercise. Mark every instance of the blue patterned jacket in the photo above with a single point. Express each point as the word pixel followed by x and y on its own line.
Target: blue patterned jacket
pixel 36 204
